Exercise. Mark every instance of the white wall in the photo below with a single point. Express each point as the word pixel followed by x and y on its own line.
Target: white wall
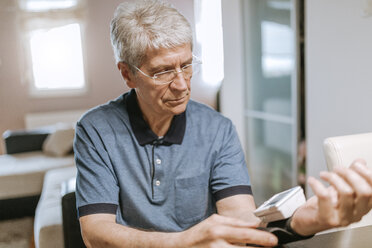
pixel 103 78
pixel 232 91
pixel 338 73
pixel 338 64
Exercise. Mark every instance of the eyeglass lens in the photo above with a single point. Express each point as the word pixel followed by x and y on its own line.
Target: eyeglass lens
pixel 168 76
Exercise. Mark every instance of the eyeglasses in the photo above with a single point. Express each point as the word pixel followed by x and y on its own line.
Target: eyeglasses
pixel 167 77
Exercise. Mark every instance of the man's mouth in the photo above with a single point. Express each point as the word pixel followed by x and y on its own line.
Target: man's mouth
pixel 177 100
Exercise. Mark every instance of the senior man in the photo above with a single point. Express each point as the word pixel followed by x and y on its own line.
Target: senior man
pixel 156 169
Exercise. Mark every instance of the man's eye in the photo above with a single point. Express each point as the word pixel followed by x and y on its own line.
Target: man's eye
pixel 170 70
pixel 162 73
pixel 164 70
pixel 186 66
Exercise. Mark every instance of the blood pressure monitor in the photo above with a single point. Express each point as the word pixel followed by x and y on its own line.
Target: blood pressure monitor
pixel 281 205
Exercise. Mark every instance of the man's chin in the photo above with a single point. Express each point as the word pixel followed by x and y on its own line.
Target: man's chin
pixel 178 109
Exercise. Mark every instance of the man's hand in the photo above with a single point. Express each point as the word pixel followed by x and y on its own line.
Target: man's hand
pixel 222 231
pixel 100 230
pixel 346 201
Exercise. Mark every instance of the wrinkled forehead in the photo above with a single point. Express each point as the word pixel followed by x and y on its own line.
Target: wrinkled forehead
pixel 171 56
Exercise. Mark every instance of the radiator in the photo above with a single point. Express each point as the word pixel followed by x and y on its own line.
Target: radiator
pixel 36 120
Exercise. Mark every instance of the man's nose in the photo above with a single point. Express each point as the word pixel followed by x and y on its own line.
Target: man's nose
pixel 180 83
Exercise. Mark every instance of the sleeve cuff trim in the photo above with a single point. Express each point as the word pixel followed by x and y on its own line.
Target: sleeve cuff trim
pixel 231 191
pixel 97 208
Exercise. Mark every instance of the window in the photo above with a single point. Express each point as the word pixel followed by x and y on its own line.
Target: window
pixel 53 43
pixel 47 5
pixel 57 59
pixel 209 37
pixel 277 49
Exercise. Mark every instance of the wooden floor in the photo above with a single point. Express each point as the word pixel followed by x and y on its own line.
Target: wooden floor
pixel 32 240
pixel 17 233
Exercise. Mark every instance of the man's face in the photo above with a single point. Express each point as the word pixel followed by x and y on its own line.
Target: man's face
pixel 168 99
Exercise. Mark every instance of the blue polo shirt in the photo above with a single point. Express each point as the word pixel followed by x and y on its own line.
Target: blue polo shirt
pixel 156 183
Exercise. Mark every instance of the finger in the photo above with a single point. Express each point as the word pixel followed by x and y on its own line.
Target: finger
pixel 255 246
pixel 334 195
pixel 363 170
pixel 246 235
pixel 354 179
pixel 324 198
pixel 360 160
pixel 262 238
pixel 341 186
pixel 346 197
pixel 344 191
pixel 224 244
pixel 362 189
pixel 325 203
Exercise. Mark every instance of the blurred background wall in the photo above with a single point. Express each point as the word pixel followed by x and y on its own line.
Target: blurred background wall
pixel 103 79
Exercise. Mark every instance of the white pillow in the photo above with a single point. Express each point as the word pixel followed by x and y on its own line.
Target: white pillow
pixel 59 143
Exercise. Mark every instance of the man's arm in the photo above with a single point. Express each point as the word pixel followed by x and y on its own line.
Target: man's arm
pixel 100 230
pixel 238 206
pixel 346 201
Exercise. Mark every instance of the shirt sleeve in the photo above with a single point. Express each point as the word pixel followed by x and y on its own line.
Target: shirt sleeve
pixel 97 189
pixel 230 173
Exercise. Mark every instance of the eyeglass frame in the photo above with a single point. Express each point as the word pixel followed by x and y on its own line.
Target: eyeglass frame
pixel 154 77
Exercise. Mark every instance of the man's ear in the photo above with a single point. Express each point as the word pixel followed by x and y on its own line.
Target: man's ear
pixel 127 74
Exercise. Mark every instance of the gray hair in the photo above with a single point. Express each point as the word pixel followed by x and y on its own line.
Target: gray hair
pixel 148 24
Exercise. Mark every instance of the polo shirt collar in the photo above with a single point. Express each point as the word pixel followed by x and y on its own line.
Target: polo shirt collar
pixel 142 131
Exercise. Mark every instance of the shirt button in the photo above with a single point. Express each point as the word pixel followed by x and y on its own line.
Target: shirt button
pixel 158 161
pixel 157 183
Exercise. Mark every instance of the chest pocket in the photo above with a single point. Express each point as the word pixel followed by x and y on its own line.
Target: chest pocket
pixel 192 198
